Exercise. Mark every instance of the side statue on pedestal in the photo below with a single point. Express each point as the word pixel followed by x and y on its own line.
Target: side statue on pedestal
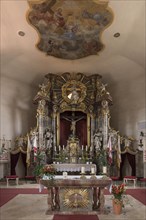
pixel 97 140
pixel 48 138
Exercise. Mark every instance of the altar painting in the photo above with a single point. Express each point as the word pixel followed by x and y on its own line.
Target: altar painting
pixel 70 29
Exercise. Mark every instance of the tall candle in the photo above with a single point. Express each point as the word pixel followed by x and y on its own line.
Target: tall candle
pixel 92 170
pixel 59 148
pixel 82 169
pixel 86 147
pixel 82 147
pixel 104 169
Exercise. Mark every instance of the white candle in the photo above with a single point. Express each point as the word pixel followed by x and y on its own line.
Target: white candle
pixel 92 170
pixel 9 144
pixel 64 175
pixel 104 169
pixel 82 147
pixel 63 147
pixel 55 148
pixel 86 147
pixel 59 148
pixel 82 169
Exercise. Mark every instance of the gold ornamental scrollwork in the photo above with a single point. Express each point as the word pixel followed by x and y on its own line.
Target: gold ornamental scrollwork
pixel 74 92
pixel 76 198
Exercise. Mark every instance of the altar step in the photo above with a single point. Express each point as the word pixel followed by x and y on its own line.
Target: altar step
pixel 75 217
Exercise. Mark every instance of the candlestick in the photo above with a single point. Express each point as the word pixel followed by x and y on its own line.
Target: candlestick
pixel 83 173
pixel 92 170
pixel 104 169
pixel 82 169
pixel 93 175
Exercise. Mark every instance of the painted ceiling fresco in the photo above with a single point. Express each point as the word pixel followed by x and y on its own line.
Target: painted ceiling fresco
pixel 70 29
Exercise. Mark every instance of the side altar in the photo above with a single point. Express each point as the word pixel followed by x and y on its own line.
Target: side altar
pixel 75 194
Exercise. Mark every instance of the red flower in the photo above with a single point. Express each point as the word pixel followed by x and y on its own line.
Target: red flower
pixel 49 169
pixel 118 190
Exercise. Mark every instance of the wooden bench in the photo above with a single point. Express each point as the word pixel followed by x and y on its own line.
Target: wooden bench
pixel 130 178
pixel 142 180
pixel 114 178
pixel 12 177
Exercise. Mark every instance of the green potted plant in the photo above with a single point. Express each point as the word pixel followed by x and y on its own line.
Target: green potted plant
pixel 38 165
pixel 38 170
pixel 102 161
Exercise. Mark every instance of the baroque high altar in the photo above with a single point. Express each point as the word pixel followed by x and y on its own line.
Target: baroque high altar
pixel 73 124
pixel 72 117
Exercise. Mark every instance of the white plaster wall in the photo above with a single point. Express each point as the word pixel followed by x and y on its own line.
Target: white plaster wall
pixel 128 105
pixel 128 109
pixel 17 112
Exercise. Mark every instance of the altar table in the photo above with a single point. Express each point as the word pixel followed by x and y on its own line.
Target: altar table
pixel 71 184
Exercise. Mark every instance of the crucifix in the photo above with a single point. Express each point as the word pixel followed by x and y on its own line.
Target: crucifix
pixel 73 119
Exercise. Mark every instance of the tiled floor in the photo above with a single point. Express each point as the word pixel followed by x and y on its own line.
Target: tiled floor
pixel 33 207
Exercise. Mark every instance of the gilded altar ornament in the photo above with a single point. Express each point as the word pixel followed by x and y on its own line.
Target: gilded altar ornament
pixel 76 198
pixel 41 108
pixel 74 92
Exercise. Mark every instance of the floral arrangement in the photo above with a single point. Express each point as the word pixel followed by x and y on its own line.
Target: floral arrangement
pixel 49 170
pixel 118 191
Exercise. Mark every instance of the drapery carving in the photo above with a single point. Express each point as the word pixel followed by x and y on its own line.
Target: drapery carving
pixel 14 160
pixel 131 160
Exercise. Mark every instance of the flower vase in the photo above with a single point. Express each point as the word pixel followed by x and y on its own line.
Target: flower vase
pixel 117 206
pixel 38 179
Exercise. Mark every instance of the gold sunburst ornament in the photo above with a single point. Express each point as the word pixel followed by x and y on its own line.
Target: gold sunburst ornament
pixel 76 198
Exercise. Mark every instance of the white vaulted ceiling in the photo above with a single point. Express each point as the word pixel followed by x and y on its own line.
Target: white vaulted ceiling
pixel 122 58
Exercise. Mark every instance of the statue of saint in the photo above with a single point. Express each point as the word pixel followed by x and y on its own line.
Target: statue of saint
pixel 48 137
pixel 97 140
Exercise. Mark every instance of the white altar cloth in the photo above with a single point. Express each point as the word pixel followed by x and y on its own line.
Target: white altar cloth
pixel 74 167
